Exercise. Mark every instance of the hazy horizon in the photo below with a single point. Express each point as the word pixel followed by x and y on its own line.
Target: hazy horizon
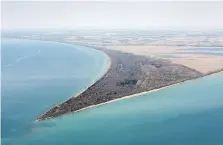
pixel 112 15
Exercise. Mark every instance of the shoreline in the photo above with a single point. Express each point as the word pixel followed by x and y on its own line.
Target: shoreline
pixel 91 84
pixel 137 94
pixel 146 92
pixel 89 47
pixel 108 89
pixel 109 66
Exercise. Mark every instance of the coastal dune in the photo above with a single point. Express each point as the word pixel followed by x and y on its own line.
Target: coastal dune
pixel 127 75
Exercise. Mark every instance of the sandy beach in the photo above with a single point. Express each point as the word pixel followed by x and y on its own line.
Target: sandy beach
pixel 153 54
pixel 127 76
pixel 205 64
pixel 135 95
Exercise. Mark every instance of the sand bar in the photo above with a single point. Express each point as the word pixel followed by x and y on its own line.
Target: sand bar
pixel 128 75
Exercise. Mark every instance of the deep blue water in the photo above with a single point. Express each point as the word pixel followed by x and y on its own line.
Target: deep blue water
pixel 187 114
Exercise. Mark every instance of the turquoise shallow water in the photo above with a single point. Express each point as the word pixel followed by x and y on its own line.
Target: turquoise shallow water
pixel 191 113
pixel 186 114
pixel 37 75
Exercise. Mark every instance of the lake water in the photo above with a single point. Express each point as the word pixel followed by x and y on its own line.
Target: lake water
pixel 190 113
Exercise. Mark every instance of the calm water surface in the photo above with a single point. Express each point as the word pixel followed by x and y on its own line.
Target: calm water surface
pixel 187 114
pixel 191 113
pixel 37 75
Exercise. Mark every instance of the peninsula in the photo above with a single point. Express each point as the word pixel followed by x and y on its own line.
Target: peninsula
pixel 128 74
pixel 140 62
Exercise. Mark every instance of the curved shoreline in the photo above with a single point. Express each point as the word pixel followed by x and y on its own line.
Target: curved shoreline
pixel 136 95
pixel 98 92
pixel 89 47
pixel 109 66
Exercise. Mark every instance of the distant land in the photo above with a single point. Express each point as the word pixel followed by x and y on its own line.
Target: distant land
pixel 141 61
pixel 169 44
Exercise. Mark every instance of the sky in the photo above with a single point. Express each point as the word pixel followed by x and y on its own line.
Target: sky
pixel 112 15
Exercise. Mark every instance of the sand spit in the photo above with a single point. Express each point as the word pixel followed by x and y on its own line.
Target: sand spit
pixel 127 76
pixel 139 94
